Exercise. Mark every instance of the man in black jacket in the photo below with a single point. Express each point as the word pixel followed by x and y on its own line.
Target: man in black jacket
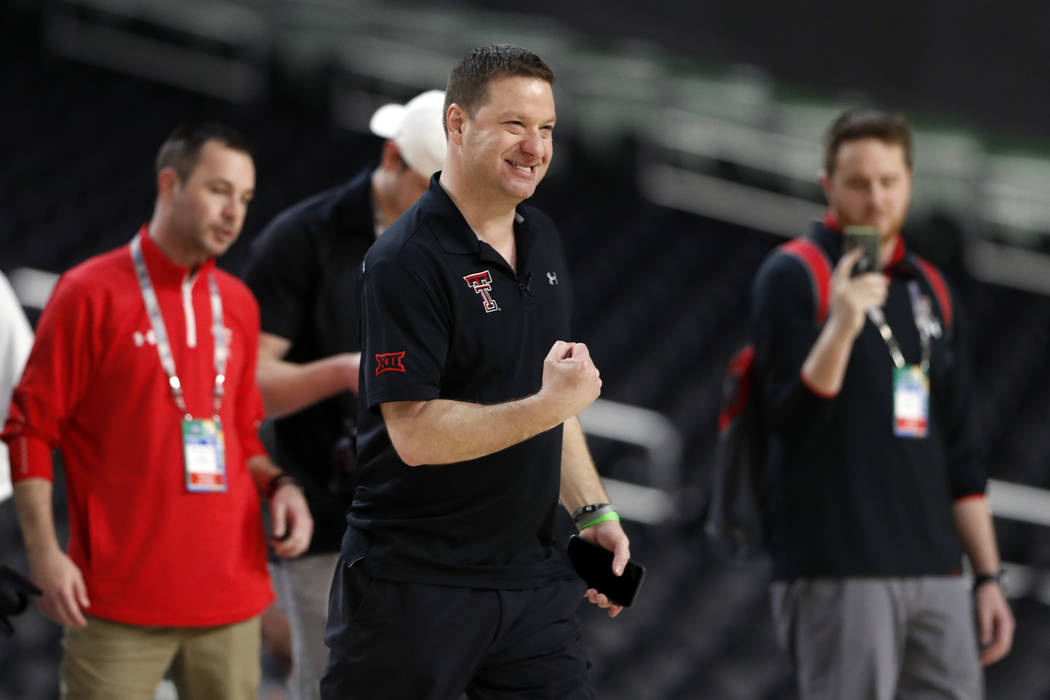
pixel 451 578
pixel 872 420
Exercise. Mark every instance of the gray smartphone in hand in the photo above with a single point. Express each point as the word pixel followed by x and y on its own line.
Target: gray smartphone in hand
pixel 866 238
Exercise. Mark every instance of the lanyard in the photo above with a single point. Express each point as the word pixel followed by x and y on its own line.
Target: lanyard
pixel 921 313
pixel 167 360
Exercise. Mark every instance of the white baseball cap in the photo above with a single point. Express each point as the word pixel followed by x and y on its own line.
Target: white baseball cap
pixel 418 129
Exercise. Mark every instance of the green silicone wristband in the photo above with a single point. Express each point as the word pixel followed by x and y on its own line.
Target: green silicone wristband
pixel 601 519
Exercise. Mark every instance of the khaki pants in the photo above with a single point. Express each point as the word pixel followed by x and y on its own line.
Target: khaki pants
pixel 112 660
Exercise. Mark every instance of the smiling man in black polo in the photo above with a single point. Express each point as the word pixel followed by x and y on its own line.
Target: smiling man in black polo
pixel 450 579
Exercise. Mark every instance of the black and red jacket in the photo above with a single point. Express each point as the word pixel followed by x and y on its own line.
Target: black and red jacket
pixel 854 499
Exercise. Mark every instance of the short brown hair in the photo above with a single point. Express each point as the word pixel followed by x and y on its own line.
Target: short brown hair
pixel 864 123
pixel 182 149
pixel 468 82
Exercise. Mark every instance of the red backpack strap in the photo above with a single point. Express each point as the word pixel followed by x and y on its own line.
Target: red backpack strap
pixel 737 386
pixel 940 289
pixel 817 264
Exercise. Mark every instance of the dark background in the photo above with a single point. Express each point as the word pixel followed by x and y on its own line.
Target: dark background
pixel 661 293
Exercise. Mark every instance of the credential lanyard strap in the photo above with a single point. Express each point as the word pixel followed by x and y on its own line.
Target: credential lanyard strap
pixel 922 321
pixel 156 320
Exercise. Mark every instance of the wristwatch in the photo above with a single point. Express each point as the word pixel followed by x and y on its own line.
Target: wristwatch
pixel 981 579
pixel 279 480
pixel 587 510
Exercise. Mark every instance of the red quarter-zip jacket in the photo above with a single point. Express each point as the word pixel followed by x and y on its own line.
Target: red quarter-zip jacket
pixel 151 552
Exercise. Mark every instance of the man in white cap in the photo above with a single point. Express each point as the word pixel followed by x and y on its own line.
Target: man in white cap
pixel 304 270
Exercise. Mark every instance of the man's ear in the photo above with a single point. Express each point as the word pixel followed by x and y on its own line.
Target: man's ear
pixel 391 159
pixel 167 182
pixel 825 183
pixel 454 120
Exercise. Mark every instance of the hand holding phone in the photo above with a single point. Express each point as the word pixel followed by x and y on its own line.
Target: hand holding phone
pixel 594 565
pixel 866 238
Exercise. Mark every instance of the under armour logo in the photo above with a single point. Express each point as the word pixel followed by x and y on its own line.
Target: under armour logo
pixel 390 362
pixel 552 278
pixel 481 283
pixel 142 338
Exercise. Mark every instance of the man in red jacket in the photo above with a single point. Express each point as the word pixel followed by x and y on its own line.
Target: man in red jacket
pixel 143 374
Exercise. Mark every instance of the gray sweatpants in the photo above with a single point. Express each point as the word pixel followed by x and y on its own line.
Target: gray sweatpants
pixel 879 638
pixel 302 587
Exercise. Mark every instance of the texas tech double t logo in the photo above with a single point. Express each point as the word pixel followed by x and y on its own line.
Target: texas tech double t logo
pixel 481 283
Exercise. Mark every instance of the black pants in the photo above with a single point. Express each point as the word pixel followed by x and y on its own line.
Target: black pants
pixel 407 641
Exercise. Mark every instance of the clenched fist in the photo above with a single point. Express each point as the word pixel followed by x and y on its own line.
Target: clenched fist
pixel 571 382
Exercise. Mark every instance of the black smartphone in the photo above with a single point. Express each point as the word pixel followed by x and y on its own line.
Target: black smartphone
pixel 594 565
pixel 866 238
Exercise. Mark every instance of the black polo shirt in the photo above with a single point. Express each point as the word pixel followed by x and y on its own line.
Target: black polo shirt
pixel 305 270
pixel 444 316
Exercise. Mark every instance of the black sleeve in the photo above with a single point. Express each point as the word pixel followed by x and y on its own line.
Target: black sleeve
pixel 405 331
pixel 784 329
pixel 281 273
pixel 966 470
